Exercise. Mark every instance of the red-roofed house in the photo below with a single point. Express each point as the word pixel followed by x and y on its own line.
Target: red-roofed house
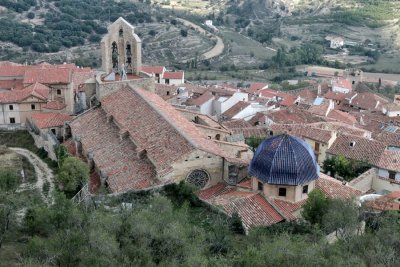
pixel 255 87
pixel 173 78
pixel 341 86
pixel 156 71
pixel 282 98
pixel 17 106
pixel 47 121
pixel 136 140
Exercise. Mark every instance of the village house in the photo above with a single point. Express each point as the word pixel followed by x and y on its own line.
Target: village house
pixel 173 78
pixel 274 194
pixel 341 86
pixel 156 71
pixel 122 123
pixel 336 42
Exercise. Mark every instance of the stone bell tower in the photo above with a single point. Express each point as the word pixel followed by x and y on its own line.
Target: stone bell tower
pixel 121 48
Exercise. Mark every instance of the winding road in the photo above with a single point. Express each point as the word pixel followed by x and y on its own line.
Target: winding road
pixel 43 172
pixel 218 48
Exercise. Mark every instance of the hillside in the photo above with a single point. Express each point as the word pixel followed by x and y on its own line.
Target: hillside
pixel 252 31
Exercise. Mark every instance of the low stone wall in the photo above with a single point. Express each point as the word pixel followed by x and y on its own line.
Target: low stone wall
pixel 364 182
pixel 47 142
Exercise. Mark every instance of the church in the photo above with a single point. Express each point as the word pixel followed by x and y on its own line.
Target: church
pixel 134 140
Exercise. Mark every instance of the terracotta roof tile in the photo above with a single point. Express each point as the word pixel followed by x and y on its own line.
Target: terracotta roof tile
pixel 116 159
pixel 203 98
pixel 303 131
pixel 253 208
pixel 254 87
pixel 357 148
pixel 251 132
pixel 334 188
pixel 47 120
pixel 153 69
pixel 235 109
pixel 47 76
pixel 335 96
pixel 173 75
pixel 368 101
pixel 345 117
pixel 390 160
pixel 390 201
pixel 37 90
pixel 240 123
pixel 54 105
pixel 156 126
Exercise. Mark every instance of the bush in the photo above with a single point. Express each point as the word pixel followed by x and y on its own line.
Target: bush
pixel 31 15
pixel 184 33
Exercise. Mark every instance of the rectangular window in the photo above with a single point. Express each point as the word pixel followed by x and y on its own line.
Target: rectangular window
pixel 58 91
pixel 167 81
pixel 305 189
pixel 316 148
pixel 282 192
pixel 260 186
pixel 33 107
pixel 392 175
pixel 53 131
pixel 12 120
pixel 11 107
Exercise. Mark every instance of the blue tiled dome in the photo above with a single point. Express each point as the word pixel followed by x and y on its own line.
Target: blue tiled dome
pixel 285 160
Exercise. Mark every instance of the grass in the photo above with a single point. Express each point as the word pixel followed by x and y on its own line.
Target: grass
pixel 385 63
pixel 241 45
pixel 22 139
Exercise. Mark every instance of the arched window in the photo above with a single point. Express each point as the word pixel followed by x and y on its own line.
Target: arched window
pixel 218 137
pixel 198 178
pixel 114 55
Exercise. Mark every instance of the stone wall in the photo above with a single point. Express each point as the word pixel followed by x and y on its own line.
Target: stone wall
pixel 105 88
pixel 364 181
pixel 46 140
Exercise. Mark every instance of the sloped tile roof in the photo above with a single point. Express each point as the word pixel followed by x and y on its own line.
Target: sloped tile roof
pixel 254 87
pixel 156 126
pixel 47 120
pixel 251 132
pixel 153 69
pixel 362 149
pixel 235 109
pixel 116 159
pixel 334 188
pixel 173 75
pixel 390 160
pixel 37 90
pixel 239 123
pixel 303 131
pixel 369 101
pixel 335 96
pixel 54 105
pixel 253 208
pixel 47 76
pixel 203 98
pixel 386 202
pixel 293 115
pixel 341 116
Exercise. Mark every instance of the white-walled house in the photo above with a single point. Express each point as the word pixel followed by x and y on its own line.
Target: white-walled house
pixel 173 78
pixel 337 42
pixel 391 110
pixel 222 104
pixel 204 103
pixel 341 86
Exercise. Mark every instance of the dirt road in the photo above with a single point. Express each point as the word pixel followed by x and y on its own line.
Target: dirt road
pixel 43 172
pixel 217 50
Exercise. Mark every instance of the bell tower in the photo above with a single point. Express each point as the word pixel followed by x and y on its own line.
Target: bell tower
pixel 121 49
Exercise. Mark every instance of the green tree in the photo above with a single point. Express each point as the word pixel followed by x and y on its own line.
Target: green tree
pixel 62 154
pixel 72 174
pixel 315 207
pixel 254 142
pixel 8 180
pixel 235 224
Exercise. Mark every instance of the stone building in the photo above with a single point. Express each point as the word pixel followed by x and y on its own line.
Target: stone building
pixel 135 140
pixel 282 173
pixel 121 48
